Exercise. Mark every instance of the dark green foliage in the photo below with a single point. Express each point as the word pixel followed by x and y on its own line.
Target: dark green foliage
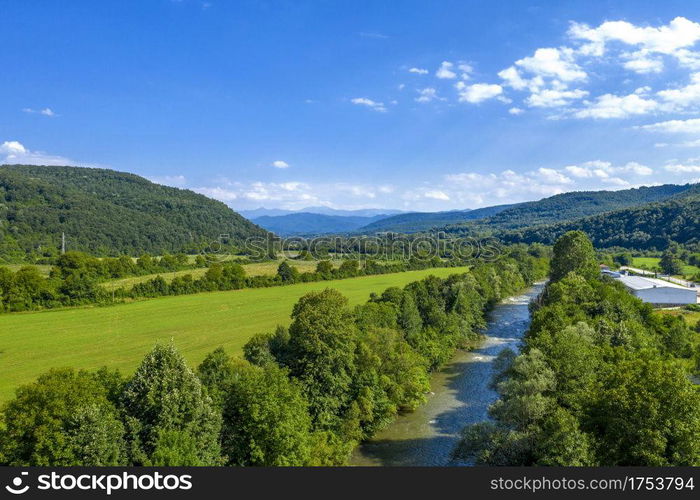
pixel 574 252
pixel 600 382
pixel 64 418
pixel 164 395
pixel 321 347
pixel 287 273
pixel 106 213
pixel 650 226
pixel 266 421
pixel 306 396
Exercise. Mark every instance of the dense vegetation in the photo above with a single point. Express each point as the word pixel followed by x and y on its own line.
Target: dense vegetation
pixel 304 395
pixel 561 207
pixel 601 380
pixel 651 226
pixel 75 278
pixel 104 212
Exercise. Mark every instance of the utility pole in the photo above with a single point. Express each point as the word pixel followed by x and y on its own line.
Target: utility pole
pixel 63 243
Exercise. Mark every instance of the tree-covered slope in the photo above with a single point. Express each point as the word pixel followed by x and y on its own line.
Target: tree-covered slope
pixel 574 205
pixel 105 212
pixel 651 226
pixel 416 222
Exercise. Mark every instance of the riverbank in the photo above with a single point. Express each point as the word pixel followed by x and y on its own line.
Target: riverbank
pixel 460 396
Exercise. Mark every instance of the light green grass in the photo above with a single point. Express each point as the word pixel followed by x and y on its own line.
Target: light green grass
pixel 119 336
pixel 256 269
pixel 43 269
pixel 692 318
pixel 650 263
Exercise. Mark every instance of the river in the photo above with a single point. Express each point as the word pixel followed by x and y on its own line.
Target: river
pixel 460 395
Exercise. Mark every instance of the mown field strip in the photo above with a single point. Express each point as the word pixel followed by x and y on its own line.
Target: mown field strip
pixel 119 336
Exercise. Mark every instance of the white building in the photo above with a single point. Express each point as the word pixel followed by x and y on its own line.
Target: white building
pixel 659 292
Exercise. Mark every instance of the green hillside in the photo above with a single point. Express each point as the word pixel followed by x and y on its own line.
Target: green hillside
pixel 105 212
pixel 570 206
pixel 650 226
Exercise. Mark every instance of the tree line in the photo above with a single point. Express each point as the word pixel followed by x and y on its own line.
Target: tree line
pixel 601 380
pixel 76 278
pixel 304 394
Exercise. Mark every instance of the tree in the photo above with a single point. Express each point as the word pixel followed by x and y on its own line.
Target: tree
pixel 647 413
pixel 324 268
pixel 321 346
pixel 574 252
pixel 287 273
pixel 216 372
pixel 265 419
pixel 670 263
pixel 64 418
pixel 164 395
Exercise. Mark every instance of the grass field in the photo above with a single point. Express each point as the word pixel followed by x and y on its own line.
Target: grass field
pixel 119 336
pixel 43 269
pixel 692 318
pixel 256 269
pixel 649 263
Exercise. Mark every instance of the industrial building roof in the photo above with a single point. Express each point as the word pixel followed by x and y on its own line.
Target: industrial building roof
pixel 642 283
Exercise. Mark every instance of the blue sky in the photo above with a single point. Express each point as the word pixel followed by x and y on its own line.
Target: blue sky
pixel 390 104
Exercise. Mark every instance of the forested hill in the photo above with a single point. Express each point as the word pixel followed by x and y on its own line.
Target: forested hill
pixel 575 205
pixel 105 212
pixel 416 222
pixel 650 226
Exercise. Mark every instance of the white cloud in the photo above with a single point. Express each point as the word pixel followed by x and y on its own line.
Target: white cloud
pixel 512 78
pixel 641 62
pixel 279 164
pixel 364 101
pixel 613 106
pixel 636 168
pixel 445 71
pixel 427 94
pixel 478 92
pixel 551 176
pixel 466 70
pixel 14 152
pixel 553 63
pixel 436 195
pixel 690 126
pixel 45 111
pixel 683 97
pixel 169 180
pixel 418 71
pixel 604 170
pixel 673 39
pixel 683 169
pixel 515 111
pixel 549 98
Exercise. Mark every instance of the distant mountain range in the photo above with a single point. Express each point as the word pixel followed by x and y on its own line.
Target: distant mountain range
pixel 313 221
pixel 306 224
pixel 274 212
pixel 526 221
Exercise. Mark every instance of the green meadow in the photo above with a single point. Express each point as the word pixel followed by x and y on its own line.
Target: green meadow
pixel 651 263
pixel 119 336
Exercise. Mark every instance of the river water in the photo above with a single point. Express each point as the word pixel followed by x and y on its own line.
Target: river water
pixel 460 396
